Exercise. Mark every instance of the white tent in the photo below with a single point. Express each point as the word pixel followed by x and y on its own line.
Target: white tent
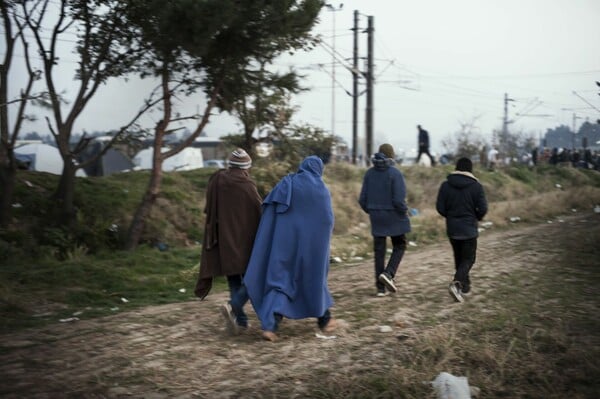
pixel 42 158
pixel 187 159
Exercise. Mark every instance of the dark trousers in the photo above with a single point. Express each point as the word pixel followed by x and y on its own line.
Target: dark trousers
pixel 425 150
pixel 239 297
pixel 379 247
pixel 321 321
pixel 464 258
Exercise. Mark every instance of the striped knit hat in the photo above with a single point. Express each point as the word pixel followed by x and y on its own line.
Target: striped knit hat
pixel 240 159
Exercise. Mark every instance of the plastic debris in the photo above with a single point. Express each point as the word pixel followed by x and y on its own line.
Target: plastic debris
pixel 78 313
pixel 321 336
pixel 114 309
pixel 162 247
pixel 17 205
pixel 487 224
pixel 124 300
pixel 69 319
pixel 514 219
pixel 336 259
pixel 28 183
pixel 385 329
pixel 597 209
pixel 448 386
pixel 413 212
pixel 557 185
pixel 573 210
pixel 114 228
pixel 182 290
pixel 412 243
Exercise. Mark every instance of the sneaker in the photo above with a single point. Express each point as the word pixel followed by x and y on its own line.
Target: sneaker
pixel 230 323
pixel 454 290
pixel 381 294
pixel 269 336
pixel 388 281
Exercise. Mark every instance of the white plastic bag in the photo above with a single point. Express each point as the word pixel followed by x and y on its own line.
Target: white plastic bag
pixel 448 386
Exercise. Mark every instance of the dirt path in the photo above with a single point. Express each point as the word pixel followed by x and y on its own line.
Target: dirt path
pixel 182 350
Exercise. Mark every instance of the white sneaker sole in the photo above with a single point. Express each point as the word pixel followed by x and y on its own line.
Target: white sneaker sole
pixel 455 293
pixel 388 282
pixel 230 323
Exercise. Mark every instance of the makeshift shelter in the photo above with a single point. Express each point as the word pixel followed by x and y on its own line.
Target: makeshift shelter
pixel 41 158
pixel 187 159
pixel 113 161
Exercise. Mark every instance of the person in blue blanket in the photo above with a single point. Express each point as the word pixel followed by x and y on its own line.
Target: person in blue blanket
pixel 288 268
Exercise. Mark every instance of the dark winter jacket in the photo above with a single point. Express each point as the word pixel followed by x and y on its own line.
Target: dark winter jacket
pixel 423 138
pixel 461 200
pixel 383 197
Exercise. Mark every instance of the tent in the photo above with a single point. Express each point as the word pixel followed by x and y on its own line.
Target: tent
pixel 42 158
pixel 187 159
pixel 113 160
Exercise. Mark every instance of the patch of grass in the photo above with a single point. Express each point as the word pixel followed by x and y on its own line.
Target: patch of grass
pixel 37 293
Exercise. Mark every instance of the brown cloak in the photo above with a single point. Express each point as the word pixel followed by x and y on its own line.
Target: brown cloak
pixel 233 209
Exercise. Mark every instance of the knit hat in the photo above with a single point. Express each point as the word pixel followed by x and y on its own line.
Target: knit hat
pixel 240 159
pixel 387 150
pixel 464 165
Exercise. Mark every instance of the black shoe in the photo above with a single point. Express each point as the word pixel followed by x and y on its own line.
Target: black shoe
pixel 386 279
pixel 466 288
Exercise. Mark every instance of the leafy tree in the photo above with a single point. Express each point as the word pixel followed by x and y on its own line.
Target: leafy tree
pixel 260 102
pixel 209 47
pixel 304 140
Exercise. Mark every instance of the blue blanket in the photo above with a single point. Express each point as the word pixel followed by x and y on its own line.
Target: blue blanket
pixel 287 272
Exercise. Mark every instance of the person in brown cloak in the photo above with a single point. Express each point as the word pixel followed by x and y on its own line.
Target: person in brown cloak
pixel 233 210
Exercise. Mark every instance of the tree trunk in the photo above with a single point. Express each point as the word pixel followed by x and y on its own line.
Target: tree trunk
pixel 8 175
pixel 65 195
pixel 143 211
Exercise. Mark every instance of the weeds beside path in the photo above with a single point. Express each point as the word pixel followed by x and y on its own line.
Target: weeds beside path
pixel 530 329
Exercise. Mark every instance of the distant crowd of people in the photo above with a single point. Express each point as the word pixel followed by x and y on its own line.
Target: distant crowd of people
pixel 577 158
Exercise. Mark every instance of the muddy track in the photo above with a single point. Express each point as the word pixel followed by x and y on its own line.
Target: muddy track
pixel 182 350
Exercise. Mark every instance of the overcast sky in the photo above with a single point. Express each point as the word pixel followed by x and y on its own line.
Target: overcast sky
pixel 438 63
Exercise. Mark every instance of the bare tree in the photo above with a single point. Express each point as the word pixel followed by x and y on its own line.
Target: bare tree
pixel 13 35
pixel 105 48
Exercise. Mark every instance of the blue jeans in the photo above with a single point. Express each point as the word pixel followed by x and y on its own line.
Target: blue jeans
pixel 239 297
pixel 379 247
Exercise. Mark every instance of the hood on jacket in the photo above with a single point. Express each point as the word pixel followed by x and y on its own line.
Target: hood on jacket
pixel 380 161
pixel 459 179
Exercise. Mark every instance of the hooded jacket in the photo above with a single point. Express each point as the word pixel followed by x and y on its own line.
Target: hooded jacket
pixel 461 200
pixel 383 197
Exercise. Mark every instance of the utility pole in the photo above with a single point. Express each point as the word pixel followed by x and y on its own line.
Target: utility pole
pixel 575 117
pixel 355 89
pixel 333 9
pixel 505 120
pixel 369 108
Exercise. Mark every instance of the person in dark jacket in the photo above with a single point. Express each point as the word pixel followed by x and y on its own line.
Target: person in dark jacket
pixel 383 197
pixel 461 200
pixel 424 145
pixel 233 211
